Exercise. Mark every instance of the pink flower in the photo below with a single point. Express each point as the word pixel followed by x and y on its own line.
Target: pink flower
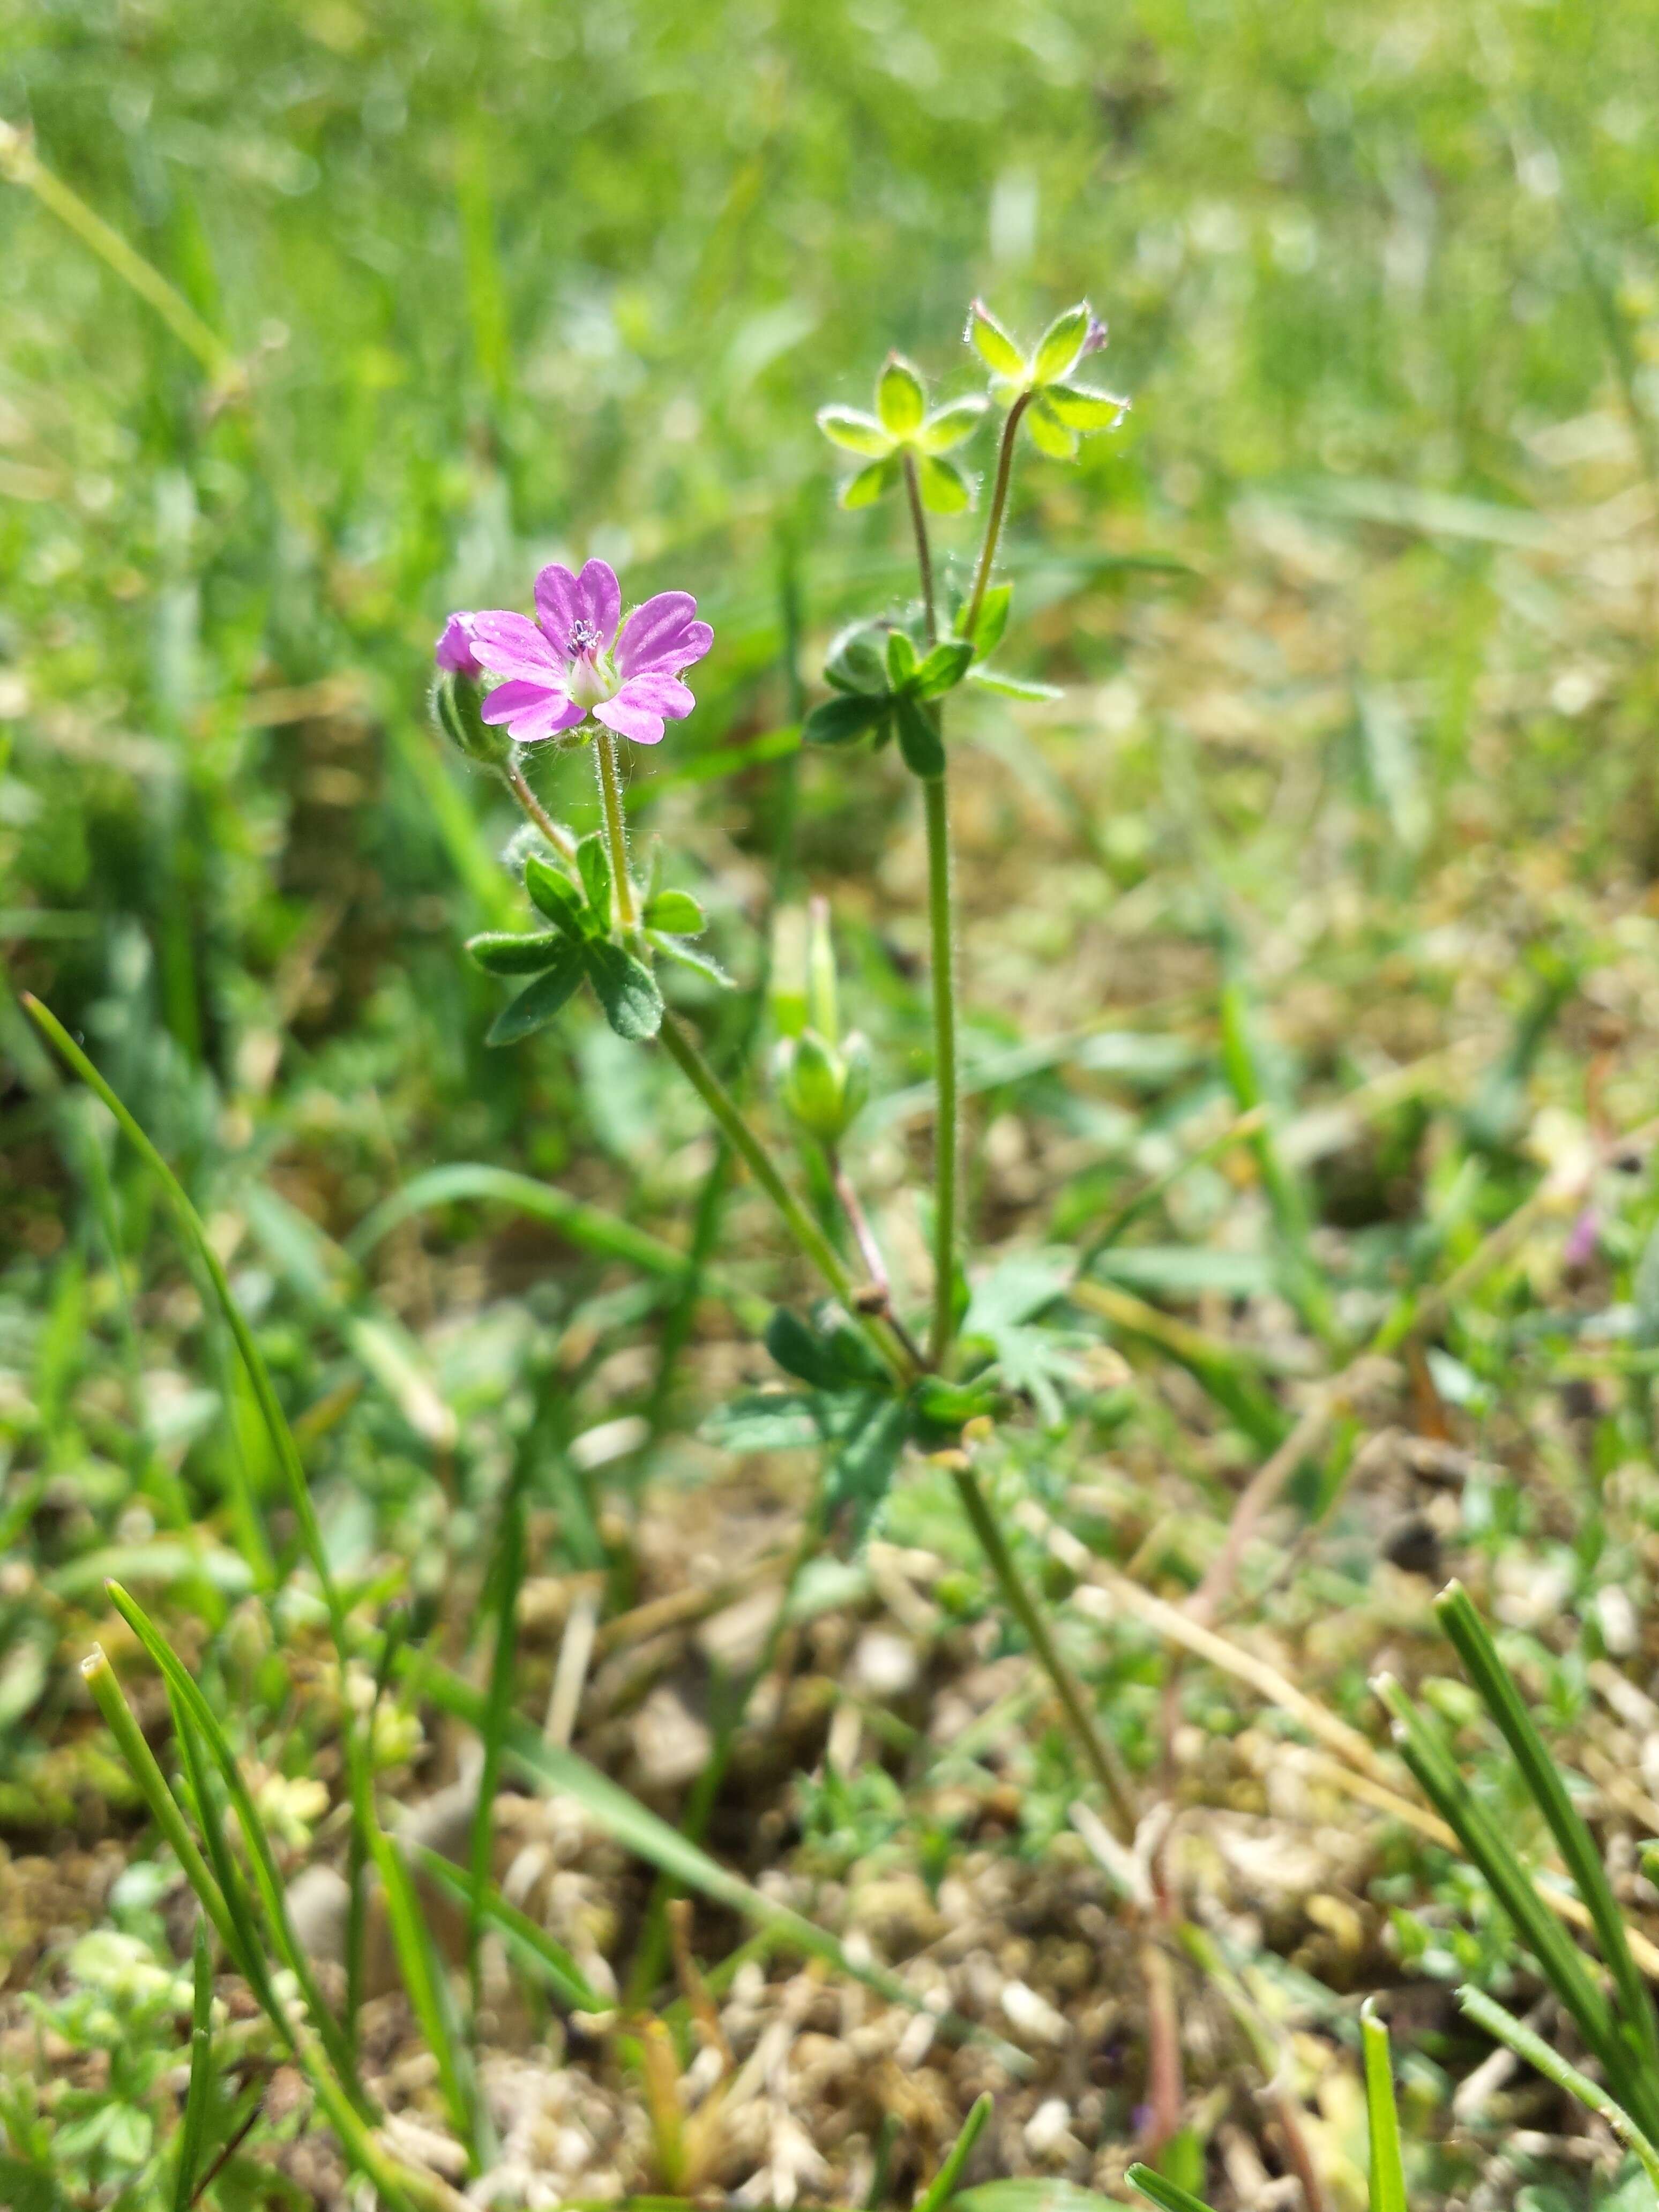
pixel 453 652
pixel 576 658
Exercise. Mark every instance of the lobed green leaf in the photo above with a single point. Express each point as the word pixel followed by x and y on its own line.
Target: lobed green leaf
pixel 919 738
pixel 841 720
pixel 554 893
pixel 626 989
pixel 676 911
pixel 500 952
pixel 534 1008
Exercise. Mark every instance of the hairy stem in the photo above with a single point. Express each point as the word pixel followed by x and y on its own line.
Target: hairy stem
pixel 1102 1760
pixel 560 840
pixel 988 552
pixel 924 556
pixel 800 1224
pixel 604 755
pixel 942 951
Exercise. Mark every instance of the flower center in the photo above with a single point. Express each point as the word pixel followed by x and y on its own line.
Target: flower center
pixel 592 677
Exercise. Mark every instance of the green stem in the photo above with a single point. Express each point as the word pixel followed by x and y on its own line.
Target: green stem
pixel 1103 1762
pixel 560 840
pixel 800 1224
pixel 605 754
pixel 999 508
pixel 943 952
pixel 924 556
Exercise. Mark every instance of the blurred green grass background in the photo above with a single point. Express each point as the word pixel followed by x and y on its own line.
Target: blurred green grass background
pixel 515 280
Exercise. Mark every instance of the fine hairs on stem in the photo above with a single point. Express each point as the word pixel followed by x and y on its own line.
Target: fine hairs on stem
pixel 615 832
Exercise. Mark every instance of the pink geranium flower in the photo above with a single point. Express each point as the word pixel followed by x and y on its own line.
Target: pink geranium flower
pixel 579 658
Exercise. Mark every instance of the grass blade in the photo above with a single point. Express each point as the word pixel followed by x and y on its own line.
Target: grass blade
pixel 532 1946
pixel 1504 2027
pixel 190 1221
pixel 267 1879
pixel 498 1704
pixel 1387 2175
pixel 1167 2195
pixel 942 2187
pixel 1475 1648
pixel 426 1983
pixel 99 1678
pixel 400 2190
pixel 1564 1965
pixel 193 2128
pixel 606 1235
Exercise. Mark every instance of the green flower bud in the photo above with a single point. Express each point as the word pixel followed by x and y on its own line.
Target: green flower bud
pixel 822 1086
pixel 456 700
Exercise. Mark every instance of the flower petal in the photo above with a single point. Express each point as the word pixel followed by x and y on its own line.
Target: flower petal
pixel 599 599
pixel 453 651
pixel 556 606
pixel 629 719
pixel 511 644
pixel 530 711
pixel 661 633
pixel 659 693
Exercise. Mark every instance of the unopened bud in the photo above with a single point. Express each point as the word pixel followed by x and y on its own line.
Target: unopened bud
pixel 456 704
pixel 823 1086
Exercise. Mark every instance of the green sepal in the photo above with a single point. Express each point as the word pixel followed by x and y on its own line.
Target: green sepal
pixel 918 738
pixel 1080 407
pixel 627 990
pixel 840 721
pixel 992 620
pixel 499 952
pixel 855 432
pixel 535 1007
pixel 944 487
pixel 949 426
pixel 675 911
pixel 1013 686
pixel 993 344
pixel 943 668
pixel 593 862
pixel 900 397
pixel 871 484
pixel 1048 433
pixel 1058 348
pixel 555 894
